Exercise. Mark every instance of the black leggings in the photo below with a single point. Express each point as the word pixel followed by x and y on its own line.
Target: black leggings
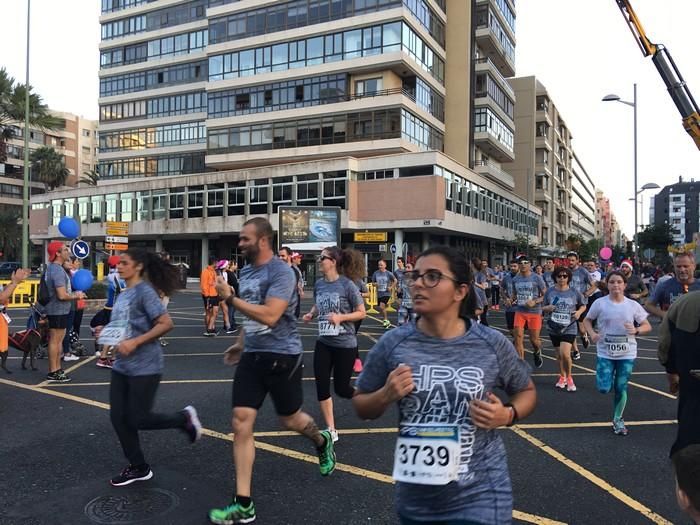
pixel 131 400
pixel 337 360
pixel 495 295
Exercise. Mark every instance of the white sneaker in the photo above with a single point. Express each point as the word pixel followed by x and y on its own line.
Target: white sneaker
pixel 70 357
pixel 334 434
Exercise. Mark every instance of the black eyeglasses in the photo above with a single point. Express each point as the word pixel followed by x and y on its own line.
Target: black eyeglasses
pixel 431 278
pixel 562 276
pixel 320 258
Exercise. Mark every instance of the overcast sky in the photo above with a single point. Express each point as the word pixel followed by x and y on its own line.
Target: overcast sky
pixel 581 50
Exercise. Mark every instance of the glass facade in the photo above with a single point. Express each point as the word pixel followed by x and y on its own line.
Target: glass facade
pixel 154 49
pixel 487 121
pixel 166 106
pixel 153 79
pixel 156 166
pixel 160 19
pixel 155 137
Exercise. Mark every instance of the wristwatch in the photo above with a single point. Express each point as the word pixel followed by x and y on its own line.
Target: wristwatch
pixel 514 414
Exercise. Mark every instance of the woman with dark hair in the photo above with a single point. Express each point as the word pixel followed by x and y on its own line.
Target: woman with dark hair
pixel 450 465
pixel 138 320
pixel 615 341
pixel 339 305
pixel 565 305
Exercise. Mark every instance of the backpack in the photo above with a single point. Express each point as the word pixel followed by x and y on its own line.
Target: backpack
pixel 43 297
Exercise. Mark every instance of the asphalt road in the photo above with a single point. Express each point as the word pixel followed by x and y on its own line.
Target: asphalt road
pixel 58 449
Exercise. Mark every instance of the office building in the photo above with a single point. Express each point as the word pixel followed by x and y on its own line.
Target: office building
pixel 677 205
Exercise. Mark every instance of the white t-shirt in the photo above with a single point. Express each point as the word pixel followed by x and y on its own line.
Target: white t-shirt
pixel 614 342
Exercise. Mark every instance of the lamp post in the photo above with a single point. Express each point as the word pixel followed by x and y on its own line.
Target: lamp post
pixel 633 104
pixel 25 179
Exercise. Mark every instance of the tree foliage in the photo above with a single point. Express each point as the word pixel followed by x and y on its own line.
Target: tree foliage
pixel 90 177
pixel 10 232
pixel 49 167
pixel 655 237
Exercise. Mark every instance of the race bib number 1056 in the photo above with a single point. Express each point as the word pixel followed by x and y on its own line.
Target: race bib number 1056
pixel 427 454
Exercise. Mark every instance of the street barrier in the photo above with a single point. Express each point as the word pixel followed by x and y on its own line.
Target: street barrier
pixel 392 300
pixel 24 295
pixel 371 299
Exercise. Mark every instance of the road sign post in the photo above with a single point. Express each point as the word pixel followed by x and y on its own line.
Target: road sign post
pixel 117 236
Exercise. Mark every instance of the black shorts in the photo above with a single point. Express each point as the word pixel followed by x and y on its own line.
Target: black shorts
pixel 210 302
pixel 384 299
pixel 562 338
pixel 58 321
pixel 260 373
pixel 101 318
pixel 510 319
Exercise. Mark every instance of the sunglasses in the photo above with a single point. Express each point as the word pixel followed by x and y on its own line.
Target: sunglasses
pixel 320 258
pixel 431 278
pixel 562 276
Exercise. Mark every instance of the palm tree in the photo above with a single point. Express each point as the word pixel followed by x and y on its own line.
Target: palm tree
pixel 12 99
pixel 90 177
pixel 49 167
pixel 10 233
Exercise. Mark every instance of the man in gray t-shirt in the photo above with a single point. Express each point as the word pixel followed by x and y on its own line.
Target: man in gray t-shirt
pixel 60 295
pixel 271 362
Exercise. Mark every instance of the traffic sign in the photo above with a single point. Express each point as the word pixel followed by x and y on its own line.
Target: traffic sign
pixel 392 248
pixel 114 246
pixel 80 249
pixel 117 228
pixel 116 240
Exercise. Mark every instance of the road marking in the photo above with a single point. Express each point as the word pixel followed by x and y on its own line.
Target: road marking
pixel 357 471
pixel 601 424
pixel 167 382
pixel 74 367
pixel 587 474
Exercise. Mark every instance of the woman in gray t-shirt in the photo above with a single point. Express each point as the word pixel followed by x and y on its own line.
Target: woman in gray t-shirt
pixel 138 320
pixel 339 305
pixel 449 464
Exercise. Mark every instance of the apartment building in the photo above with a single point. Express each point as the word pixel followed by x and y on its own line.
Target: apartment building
pixel 215 110
pixel 75 139
pixel 607 227
pixel 582 200
pixel 678 205
pixel 543 165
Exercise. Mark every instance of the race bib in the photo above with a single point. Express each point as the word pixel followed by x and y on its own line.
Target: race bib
pixel 325 327
pixel 113 333
pixel 255 328
pixel 427 454
pixel 561 317
pixel 7 317
pixel 523 298
pixel 616 344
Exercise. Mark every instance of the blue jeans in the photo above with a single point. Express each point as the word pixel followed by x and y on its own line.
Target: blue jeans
pixel 614 374
pixel 231 316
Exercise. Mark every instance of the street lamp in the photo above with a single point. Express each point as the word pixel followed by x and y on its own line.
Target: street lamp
pixel 633 104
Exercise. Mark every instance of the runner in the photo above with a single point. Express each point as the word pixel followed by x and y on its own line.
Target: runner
pixel 232 281
pixel 207 284
pixel 269 363
pixel 221 270
pixel 496 279
pixel 385 282
pixel 682 282
pixel 114 287
pixel 615 342
pixel 547 274
pixel 635 289
pixel 566 306
pixel 528 292
pixel 138 319
pixel 364 292
pixel 582 282
pixel 509 295
pixel 406 313
pixel 339 305
pixel 482 275
pixel 450 464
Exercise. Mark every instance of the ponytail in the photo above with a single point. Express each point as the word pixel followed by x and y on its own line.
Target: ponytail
pixel 348 262
pixel 162 275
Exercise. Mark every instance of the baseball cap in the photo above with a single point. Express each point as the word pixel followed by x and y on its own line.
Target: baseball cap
pixel 113 261
pixel 628 263
pixel 53 248
pixel 296 255
pixel 223 263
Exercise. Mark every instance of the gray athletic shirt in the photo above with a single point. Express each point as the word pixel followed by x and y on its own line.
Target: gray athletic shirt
pixel 140 306
pixel 565 302
pixel 56 277
pixel 383 279
pixel 526 288
pixel 272 279
pixel 581 280
pixel 342 297
pixel 448 374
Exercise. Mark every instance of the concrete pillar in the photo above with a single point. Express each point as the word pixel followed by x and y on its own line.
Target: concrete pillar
pixel 159 244
pixel 205 252
pixel 398 241
pixel 425 241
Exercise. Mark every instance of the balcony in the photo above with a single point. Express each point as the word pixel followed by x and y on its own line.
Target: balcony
pixel 486 65
pixel 491 171
pixel 493 39
pixel 492 135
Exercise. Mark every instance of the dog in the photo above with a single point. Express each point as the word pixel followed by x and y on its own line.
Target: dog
pixel 26 341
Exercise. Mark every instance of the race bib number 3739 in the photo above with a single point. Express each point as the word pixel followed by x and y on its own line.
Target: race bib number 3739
pixel 427 454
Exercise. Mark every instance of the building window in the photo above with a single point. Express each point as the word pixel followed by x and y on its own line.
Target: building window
pixel 368 86
pixel 258 196
pixel 159 204
pixel 176 204
pixel 215 200
pixel 236 198
pixel 127 207
pixel 143 205
pixel 195 202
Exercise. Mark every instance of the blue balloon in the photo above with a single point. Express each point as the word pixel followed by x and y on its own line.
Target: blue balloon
pixel 82 280
pixel 69 227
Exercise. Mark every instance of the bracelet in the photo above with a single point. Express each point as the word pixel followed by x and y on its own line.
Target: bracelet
pixel 514 412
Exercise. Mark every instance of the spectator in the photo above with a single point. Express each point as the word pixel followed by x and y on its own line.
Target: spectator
pixel 207 284
pixel 5 293
pixel 686 464
pixel 672 289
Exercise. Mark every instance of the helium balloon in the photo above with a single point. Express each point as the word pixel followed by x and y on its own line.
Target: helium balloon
pixel 82 280
pixel 605 253
pixel 69 227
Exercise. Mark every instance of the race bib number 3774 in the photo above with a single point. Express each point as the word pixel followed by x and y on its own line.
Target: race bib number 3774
pixel 427 454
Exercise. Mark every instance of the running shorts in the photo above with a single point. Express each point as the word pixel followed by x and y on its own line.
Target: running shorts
pixel 531 320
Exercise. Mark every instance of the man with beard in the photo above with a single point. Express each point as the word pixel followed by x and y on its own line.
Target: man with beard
pixel 270 354
pixel 635 288
pixel 668 291
pixel 547 275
